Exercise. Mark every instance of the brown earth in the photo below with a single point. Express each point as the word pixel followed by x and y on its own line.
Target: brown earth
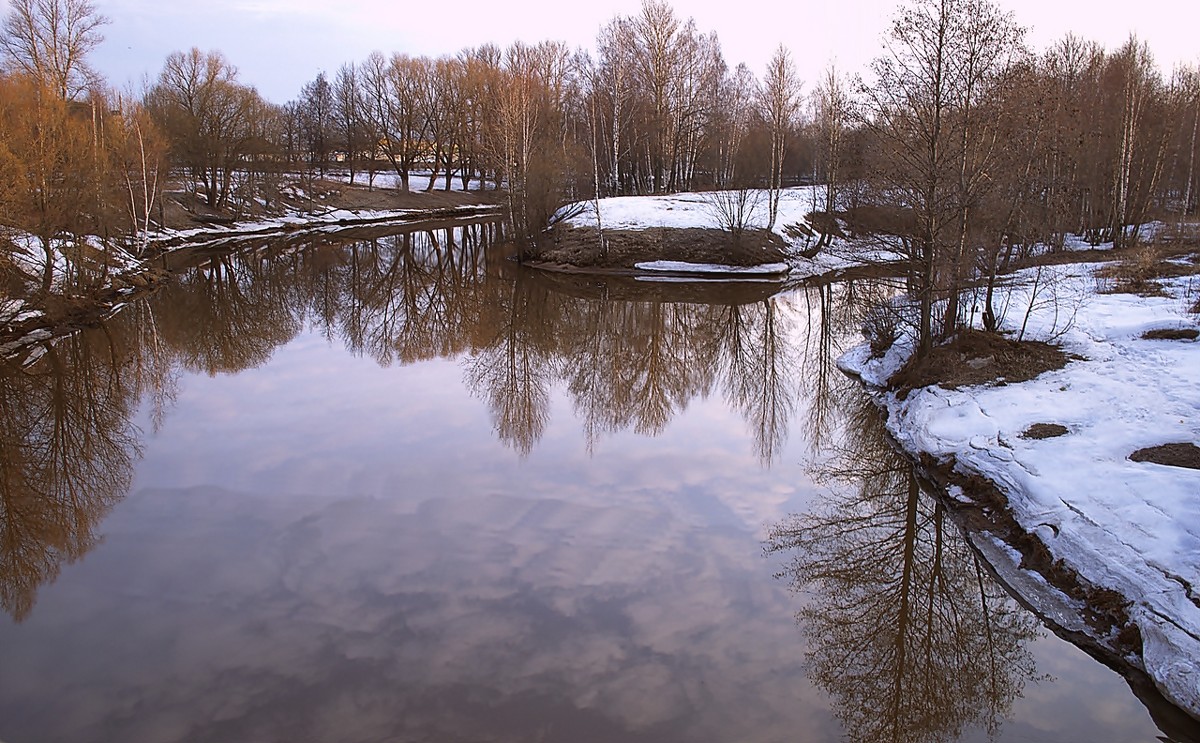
pixel 1173 455
pixel 977 357
pixel 1171 334
pixel 579 248
pixel 1045 431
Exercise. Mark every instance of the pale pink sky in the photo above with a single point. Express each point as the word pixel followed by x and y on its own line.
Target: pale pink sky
pixel 278 45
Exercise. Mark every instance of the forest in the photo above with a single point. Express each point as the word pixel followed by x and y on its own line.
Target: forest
pixel 960 144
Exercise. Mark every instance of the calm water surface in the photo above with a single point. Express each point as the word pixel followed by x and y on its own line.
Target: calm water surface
pixel 394 490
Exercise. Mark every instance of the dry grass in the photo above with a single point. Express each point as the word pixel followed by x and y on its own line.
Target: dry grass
pixel 1141 270
pixel 1137 274
pixel 974 357
pixel 1171 334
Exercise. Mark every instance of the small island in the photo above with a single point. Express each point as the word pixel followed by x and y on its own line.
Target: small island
pixel 725 235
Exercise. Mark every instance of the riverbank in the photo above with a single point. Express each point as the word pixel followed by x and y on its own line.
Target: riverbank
pixel 705 233
pixel 317 202
pixel 1080 482
pixel 327 207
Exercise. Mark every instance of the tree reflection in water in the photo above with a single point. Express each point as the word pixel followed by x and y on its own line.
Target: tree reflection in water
pixel 632 365
pixel 908 634
pixel 626 363
pixel 67 449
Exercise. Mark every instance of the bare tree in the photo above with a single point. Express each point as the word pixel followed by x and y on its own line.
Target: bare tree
pixel 614 82
pixel 832 112
pixel 208 116
pixel 1188 83
pixel 656 32
pixel 938 63
pixel 779 103
pixel 477 127
pixel 53 169
pixel 316 110
pixel 50 41
pixel 733 209
pixel 393 90
pixel 440 100
pixel 732 118
pixel 137 154
pixel 348 115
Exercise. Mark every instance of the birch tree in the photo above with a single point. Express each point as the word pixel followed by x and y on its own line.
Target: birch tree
pixel 656 32
pixel 779 104
pixel 938 62
pixel 832 111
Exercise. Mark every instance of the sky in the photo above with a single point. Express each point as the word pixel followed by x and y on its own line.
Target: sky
pixel 278 45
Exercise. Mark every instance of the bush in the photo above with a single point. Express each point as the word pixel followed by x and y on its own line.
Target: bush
pixel 881 327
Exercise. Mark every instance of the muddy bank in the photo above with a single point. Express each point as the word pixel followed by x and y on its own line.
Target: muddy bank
pixel 1014 557
pixel 580 249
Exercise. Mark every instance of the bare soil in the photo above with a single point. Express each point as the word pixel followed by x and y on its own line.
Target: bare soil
pixel 1045 431
pixel 1173 455
pixel 1171 334
pixel 975 357
pixel 580 248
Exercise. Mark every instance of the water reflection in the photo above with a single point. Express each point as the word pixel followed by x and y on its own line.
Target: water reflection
pixel 636 365
pixel 67 449
pixel 909 635
pixel 229 315
pixel 615 593
pixel 627 364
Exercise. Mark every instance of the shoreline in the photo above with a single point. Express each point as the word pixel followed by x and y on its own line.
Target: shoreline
pixel 1094 541
pixel 1017 559
pixel 65 315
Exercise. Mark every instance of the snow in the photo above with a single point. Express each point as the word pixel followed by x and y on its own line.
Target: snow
pixel 694 209
pixel 700 210
pixel 1127 526
pixel 417 180
pixel 1145 232
pixel 329 220
pixel 769 269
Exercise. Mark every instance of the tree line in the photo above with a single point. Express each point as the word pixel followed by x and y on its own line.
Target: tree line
pixel 960 143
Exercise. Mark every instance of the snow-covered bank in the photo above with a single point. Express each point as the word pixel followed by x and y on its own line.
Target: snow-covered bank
pixel 1125 526
pixel 22 325
pixel 315 221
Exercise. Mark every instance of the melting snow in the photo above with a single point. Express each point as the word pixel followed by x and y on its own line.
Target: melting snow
pixel 1127 526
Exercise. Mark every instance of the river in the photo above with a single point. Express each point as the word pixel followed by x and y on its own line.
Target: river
pixel 392 487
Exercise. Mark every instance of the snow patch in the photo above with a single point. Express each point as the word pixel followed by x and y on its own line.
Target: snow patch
pixel 713 268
